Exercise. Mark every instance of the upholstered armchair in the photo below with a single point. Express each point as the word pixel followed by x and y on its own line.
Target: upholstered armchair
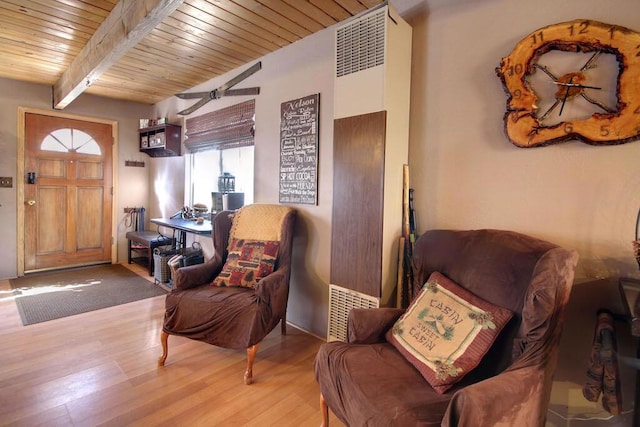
pixel 374 380
pixel 239 295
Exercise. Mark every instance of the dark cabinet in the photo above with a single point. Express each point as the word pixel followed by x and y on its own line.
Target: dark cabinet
pixel 161 140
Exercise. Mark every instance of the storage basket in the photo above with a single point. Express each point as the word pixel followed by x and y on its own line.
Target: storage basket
pixel 182 258
pixel 161 255
pixel 192 255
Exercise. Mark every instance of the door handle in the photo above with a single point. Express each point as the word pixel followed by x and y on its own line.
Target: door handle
pixel 31 202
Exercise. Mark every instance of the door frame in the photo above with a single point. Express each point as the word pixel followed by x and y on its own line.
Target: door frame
pixel 20 202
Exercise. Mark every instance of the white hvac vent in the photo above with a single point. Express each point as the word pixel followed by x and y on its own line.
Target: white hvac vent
pixel 341 301
pixel 360 44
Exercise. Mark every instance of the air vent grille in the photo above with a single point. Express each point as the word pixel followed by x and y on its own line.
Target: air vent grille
pixel 341 301
pixel 360 44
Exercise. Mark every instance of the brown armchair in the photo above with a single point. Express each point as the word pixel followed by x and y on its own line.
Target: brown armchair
pixel 235 317
pixel 366 381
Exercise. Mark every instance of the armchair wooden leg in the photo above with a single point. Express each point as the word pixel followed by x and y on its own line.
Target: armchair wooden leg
pixel 251 356
pixel 283 325
pixel 164 337
pixel 324 409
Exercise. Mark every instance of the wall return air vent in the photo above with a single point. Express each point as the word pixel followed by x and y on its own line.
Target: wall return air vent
pixel 360 43
pixel 341 301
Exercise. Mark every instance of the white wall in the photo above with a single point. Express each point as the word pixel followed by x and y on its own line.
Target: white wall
pixel 465 171
pixel 301 69
pixel 132 180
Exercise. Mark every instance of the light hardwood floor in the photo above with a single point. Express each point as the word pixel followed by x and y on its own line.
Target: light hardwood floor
pixel 99 368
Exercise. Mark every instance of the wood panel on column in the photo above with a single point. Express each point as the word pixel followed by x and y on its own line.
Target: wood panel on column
pixel 358 197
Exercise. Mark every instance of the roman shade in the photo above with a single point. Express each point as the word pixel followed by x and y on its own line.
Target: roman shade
pixel 228 127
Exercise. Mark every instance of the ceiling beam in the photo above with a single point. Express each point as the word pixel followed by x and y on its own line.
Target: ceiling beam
pixel 128 23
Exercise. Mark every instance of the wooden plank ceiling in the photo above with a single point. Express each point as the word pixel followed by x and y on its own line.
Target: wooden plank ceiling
pixel 200 40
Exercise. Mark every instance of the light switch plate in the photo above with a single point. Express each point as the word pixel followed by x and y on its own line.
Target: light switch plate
pixel 6 181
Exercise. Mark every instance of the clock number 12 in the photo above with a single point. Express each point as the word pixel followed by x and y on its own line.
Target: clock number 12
pixel 582 28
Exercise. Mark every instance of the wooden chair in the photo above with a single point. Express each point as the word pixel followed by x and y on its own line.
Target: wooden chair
pixel 236 317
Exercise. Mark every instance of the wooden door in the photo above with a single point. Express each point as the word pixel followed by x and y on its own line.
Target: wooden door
pixel 67 212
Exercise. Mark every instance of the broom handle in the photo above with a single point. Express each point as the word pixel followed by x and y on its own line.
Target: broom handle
pixel 637 223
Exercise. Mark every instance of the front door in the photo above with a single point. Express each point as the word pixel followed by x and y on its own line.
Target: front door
pixel 68 192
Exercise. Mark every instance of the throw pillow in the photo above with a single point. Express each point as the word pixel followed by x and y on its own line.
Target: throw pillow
pixel 248 262
pixel 446 331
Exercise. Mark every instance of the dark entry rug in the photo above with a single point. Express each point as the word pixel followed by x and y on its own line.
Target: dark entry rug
pixel 48 296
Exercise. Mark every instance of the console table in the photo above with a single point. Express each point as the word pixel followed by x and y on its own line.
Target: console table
pixel 184 226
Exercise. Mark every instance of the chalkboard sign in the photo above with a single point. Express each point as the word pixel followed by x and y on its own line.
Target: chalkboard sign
pixel 299 150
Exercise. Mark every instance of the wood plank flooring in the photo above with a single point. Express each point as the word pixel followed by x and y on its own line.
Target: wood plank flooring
pixel 99 368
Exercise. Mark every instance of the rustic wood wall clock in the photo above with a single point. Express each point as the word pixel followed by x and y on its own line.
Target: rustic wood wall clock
pixel 573 80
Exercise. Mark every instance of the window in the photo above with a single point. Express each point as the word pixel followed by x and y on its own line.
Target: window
pixel 218 142
pixel 207 166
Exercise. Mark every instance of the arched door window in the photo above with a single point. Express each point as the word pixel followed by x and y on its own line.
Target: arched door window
pixel 69 140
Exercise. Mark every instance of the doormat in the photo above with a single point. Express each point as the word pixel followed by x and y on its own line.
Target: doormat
pixel 47 296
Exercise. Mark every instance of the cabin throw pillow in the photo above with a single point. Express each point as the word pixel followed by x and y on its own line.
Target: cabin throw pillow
pixel 446 331
pixel 248 262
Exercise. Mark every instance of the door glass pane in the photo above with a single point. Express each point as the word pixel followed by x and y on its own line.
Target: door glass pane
pixel 69 140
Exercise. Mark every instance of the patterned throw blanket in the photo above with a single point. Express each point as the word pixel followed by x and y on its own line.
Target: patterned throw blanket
pixel 602 374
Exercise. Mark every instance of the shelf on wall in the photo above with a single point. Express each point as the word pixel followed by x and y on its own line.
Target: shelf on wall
pixel 161 140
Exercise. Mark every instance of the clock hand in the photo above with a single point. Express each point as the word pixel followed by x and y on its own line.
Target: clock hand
pixel 544 69
pixel 577 85
pixel 566 94
pixel 591 62
pixel 598 103
pixel 549 111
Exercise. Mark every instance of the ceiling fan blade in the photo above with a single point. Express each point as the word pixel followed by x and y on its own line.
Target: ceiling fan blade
pixel 192 95
pixel 243 91
pixel 222 90
pixel 195 106
pixel 240 77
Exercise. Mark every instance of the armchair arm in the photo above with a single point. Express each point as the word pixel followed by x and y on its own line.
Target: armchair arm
pixel 195 275
pixel 273 290
pixel 514 397
pixel 368 325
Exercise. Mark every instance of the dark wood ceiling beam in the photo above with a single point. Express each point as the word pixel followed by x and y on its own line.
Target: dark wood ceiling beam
pixel 127 24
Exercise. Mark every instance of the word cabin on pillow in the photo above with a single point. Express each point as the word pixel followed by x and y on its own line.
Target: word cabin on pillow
pixel 446 331
pixel 248 261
